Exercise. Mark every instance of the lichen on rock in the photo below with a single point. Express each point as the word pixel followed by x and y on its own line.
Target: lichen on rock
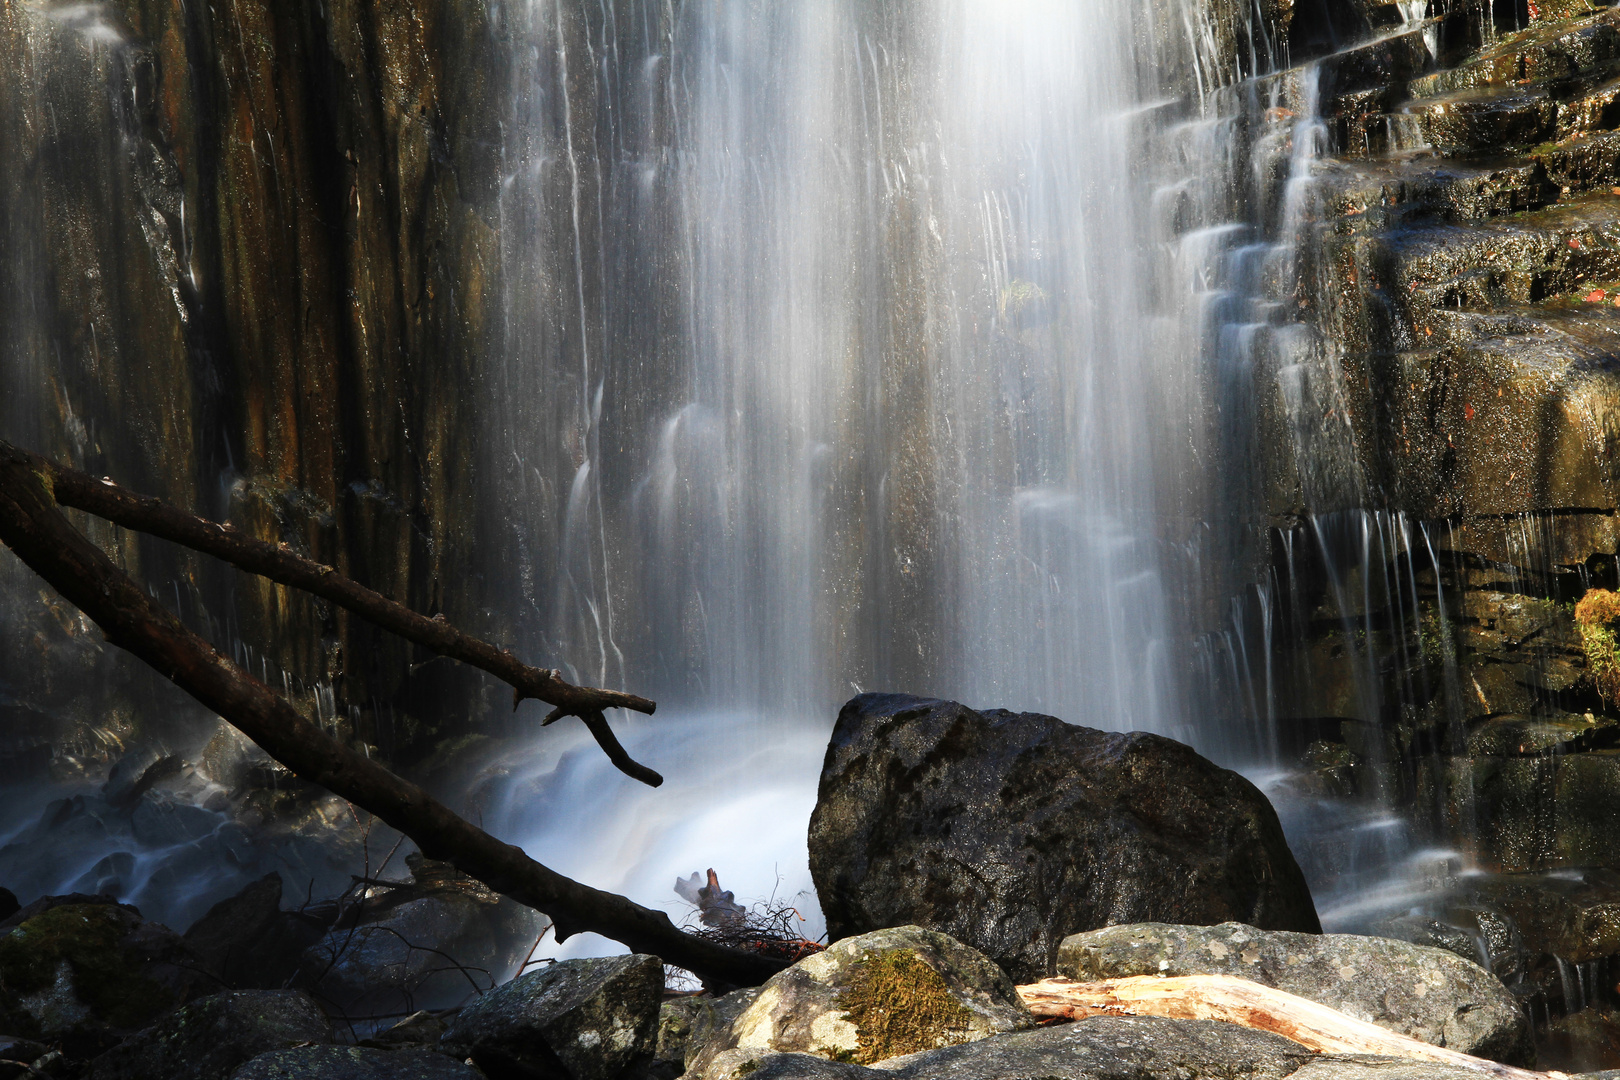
pixel 900 1005
pixel 865 999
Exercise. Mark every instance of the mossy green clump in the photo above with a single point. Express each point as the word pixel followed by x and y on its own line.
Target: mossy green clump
pixel 1598 616
pixel 106 980
pixel 1018 297
pixel 900 1005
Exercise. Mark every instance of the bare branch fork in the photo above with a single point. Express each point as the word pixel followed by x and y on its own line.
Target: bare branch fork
pixel 143 513
pixel 34 528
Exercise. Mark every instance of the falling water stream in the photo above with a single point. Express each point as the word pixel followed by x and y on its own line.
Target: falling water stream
pixel 857 371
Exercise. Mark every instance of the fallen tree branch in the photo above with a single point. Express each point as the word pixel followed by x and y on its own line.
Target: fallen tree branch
pixel 1248 1004
pixel 153 516
pixel 33 527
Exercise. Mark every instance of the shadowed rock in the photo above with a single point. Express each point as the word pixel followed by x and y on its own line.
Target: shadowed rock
pixel 353 1063
pixel 577 1019
pixel 209 1038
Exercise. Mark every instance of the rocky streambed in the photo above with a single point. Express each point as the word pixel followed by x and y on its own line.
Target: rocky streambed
pixel 956 852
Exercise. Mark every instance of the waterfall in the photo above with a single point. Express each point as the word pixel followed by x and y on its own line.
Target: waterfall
pixel 758 355
pixel 856 346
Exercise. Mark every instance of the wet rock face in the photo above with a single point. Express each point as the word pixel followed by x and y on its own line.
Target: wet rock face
pixel 575 1019
pixel 253 250
pixel 868 998
pixel 85 973
pixel 1427 993
pixel 1010 831
pixel 209 1038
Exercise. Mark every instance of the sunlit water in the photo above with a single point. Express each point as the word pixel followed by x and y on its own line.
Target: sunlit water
pixel 737 798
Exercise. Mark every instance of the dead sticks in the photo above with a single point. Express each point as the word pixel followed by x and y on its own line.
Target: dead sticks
pixel 142 513
pixel 33 527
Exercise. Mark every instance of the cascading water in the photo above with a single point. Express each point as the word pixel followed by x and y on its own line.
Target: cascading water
pixel 843 355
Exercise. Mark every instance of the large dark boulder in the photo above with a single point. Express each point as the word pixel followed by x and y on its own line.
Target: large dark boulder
pixel 1009 831
pixel 410 945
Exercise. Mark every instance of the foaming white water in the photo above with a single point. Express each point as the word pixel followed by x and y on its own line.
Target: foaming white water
pixel 737 798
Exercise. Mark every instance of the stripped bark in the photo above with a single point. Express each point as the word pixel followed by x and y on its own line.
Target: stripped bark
pixel 1248 1004
pixel 146 514
pixel 33 527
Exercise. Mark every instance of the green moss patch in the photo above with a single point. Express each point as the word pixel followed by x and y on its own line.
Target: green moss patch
pixel 900 1005
pixel 1598 617
pixel 106 977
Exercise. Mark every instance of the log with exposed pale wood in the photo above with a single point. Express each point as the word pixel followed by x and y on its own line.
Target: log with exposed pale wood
pixel 1248 1004
pixel 33 528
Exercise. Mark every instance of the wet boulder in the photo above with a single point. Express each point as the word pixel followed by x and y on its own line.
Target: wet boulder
pixel 354 1063
pixel 1427 993
pixel 210 1037
pixel 1009 831
pixel 571 1020
pixel 247 942
pixel 870 998
pixel 86 974
pixel 411 945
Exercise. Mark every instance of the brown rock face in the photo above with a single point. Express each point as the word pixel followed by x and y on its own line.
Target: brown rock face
pixel 1009 831
pixel 247 254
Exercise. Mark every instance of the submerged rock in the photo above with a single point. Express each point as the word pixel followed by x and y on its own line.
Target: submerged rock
pixel 209 1038
pixel 353 1063
pixel 576 1019
pixel 870 998
pixel 1009 831
pixel 87 974
pixel 1429 994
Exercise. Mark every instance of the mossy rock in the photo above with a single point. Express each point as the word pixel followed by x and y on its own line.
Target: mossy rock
pixel 900 1005
pixel 87 972
pixel 870 998
pixel 1598 617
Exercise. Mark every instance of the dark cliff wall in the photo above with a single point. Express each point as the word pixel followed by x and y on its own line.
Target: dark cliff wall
pixel 249 261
